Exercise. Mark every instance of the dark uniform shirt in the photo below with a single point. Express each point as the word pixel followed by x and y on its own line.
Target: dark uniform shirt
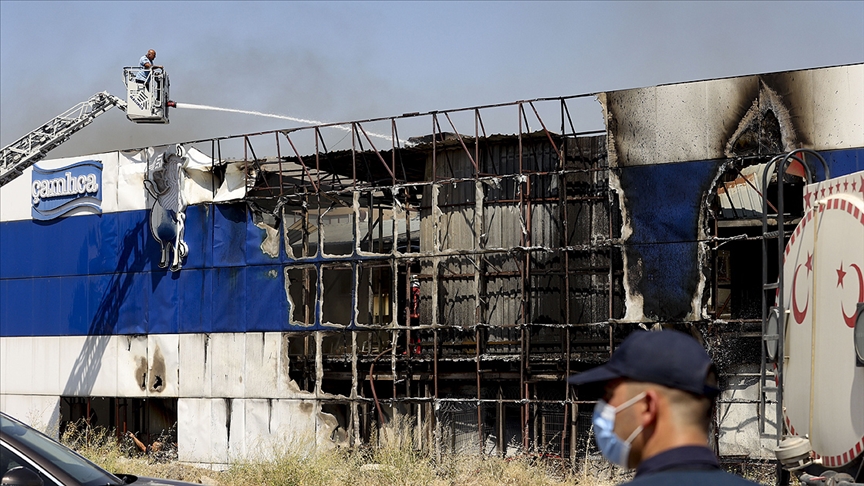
pixel 685 465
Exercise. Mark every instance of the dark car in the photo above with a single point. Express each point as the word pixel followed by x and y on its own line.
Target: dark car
pixel 29 457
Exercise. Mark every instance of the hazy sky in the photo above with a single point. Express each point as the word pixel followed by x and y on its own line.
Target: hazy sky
pixel 340 61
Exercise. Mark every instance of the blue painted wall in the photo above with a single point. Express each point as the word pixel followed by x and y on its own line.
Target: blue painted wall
pixel 99 274
pixel 663 204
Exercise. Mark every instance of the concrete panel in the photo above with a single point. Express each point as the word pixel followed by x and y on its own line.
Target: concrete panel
pixel 46 366
pixel 104 351
pixel 13 196
pixel 202 431
pixel 292 423
pixel 632 126
pixel 132 366
pixel 163 358
pixel 18 361
pixel 838 119
pixel 738 421
pixel 39 412
pixel 802 105
pixel 681 113
pixel 692 121
pixel 723 97
pixel 6 367
pixel 86 365
pixel 257 438
pixel 262 361
pixel 192 439
pixel 229 363
pixel 195 366
pixel 236 429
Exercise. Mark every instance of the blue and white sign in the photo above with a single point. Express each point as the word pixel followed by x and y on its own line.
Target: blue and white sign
pixel 55 192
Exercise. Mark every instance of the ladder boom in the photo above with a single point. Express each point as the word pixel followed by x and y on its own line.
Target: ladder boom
pixel 29 149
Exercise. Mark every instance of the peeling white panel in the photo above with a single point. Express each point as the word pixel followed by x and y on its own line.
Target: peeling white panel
pixel 234 186
pixel 270 245
pixel 189 365
pixel 132 168
pixel 229 364
pixel 217 431
pixel 196 365
pixel 198 185
pixel 40 412
pixel 262 359
pixel 164 364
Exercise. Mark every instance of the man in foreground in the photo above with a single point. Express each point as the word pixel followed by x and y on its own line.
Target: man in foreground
pixel 657 407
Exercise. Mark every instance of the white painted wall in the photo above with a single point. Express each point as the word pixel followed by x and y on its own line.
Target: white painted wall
pixel 235 399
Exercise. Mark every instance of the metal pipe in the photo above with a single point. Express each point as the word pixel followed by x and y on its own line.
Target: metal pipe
pixel 372 385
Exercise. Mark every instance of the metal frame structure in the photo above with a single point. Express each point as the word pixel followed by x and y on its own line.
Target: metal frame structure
pixel 474 378
pixel 514 366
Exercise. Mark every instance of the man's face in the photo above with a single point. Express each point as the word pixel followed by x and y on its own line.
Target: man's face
pixel 151 54
pixel 627 420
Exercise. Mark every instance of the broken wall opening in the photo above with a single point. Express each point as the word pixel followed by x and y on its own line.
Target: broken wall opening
pixel 150 419
pixel 302 283
pixel 301 360
pixel 300 218
pixel 376 290
pixel 337 304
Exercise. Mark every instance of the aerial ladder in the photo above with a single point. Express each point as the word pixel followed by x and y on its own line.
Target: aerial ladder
pixel 146 102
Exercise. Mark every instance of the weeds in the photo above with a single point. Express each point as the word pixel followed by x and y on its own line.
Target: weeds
pixel 393 462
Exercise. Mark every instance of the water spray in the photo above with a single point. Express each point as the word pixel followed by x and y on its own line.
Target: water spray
pixel 192 106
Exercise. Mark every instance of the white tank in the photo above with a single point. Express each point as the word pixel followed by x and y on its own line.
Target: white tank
pixel 823 388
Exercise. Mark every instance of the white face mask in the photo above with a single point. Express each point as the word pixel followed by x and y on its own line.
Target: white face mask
pixel 611 446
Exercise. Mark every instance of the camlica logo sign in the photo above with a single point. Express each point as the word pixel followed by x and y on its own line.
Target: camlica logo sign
pixel 55 192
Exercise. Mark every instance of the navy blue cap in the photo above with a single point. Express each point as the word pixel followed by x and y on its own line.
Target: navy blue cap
pixel 669 358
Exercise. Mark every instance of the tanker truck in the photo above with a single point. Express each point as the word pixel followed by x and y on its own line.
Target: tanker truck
pixel 813 334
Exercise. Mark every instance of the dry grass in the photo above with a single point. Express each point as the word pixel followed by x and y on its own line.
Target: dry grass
pixel 395 462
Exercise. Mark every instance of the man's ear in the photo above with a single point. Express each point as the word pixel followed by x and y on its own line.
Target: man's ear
pixel 650 407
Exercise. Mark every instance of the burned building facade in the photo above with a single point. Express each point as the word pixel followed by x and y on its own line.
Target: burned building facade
pixel 456 278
